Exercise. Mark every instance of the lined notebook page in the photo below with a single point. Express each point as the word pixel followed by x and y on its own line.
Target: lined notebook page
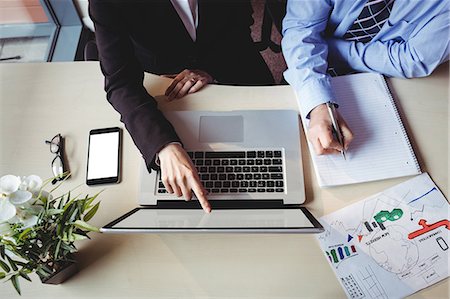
pixel 381 148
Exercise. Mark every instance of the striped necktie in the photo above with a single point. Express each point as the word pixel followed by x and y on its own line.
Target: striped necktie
pixel 373 16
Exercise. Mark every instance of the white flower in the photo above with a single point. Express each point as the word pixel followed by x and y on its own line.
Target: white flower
pixel 15 193
pixel 5 229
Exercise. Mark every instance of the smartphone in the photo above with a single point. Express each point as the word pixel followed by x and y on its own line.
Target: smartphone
pixel 104 156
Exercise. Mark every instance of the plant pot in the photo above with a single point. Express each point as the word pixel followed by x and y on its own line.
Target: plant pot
pixel 62 274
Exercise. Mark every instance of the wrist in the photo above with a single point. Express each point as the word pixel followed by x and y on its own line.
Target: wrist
pixel 321 108
pixel 165 148
pixel 318 110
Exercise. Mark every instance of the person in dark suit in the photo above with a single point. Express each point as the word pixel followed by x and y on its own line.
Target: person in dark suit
pixel 194 42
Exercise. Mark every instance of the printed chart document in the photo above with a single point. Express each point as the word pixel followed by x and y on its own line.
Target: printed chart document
pixel 380 149
pixel 392 244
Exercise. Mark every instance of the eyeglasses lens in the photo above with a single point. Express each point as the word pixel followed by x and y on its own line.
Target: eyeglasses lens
pixel 57 167
pixel 54 144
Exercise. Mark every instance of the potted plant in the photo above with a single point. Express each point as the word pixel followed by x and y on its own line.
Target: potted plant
pixel 38 230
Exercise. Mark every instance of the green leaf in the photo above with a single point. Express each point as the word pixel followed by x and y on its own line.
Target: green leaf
pixel 2 275
pixel 54 211
pixel 68 210
pixel 24 275
pixel 71 203
pixel 15 283
pixel 2 251
pixel 91 212
pixel 66 176
pixel 12 263
pixel 83 225
pixel 22 264
pixel 47 269
pixel 62 202
pixel 89 201
pixel 58 246
pixel 74 214
pixel 5 266
pixel 77 237
pixel 24 233
pixel 69 247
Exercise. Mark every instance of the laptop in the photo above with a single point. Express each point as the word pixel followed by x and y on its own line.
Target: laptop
pixel 250 163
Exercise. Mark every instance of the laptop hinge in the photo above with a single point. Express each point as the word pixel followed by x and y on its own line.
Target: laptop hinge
pixel 221 204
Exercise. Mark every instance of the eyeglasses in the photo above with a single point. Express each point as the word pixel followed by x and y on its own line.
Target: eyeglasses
pixel 58 167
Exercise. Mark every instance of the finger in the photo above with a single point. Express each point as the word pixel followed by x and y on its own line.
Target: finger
pixel 197 86
pixel 176 189
pixel 171 87
pixel 347 135
pixel 328 141
pixel 167 184
pixel 174 93
pixel 330 151
pixel 186 87
pixel 175 81
pixel 187 193
pixel 318 148
pixel 200 193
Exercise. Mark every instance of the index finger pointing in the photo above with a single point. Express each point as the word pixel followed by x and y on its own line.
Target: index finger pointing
pixel 200 192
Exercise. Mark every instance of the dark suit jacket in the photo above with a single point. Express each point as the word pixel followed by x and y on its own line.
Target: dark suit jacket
pixel 148 35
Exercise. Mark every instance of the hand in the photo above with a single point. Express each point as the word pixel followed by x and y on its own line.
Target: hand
pixel 186 82
pixel 179 175
pixel 320 132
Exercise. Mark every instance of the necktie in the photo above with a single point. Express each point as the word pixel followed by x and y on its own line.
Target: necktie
pixel 193 7
pixel 193 24
pixel 187 11
pixel 370 21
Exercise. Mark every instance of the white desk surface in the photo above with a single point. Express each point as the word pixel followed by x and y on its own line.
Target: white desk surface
pixel 37 101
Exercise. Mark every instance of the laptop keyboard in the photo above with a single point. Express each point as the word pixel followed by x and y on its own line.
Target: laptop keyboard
pixel 259 171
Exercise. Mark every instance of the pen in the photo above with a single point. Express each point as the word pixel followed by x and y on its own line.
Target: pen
pixel 336 130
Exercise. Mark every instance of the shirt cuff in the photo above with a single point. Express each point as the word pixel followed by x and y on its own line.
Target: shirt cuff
pixel 157 154
pixel 314 93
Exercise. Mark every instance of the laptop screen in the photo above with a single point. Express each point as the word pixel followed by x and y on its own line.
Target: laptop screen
pixel 246 220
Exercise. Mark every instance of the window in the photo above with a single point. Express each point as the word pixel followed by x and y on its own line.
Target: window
pixel 39 30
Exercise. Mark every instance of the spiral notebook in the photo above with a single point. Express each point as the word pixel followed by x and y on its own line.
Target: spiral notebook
pixel 380 149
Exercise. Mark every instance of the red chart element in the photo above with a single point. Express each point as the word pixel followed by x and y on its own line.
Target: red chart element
pixel 428 227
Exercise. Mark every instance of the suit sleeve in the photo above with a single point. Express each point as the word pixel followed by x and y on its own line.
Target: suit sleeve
pixel 124 88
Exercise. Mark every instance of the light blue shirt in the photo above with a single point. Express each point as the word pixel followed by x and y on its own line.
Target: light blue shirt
pixel 412 43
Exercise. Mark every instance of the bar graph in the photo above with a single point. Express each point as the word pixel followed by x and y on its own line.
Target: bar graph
pixel 340 253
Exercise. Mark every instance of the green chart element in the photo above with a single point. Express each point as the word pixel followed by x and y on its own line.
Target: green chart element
pixel 383 216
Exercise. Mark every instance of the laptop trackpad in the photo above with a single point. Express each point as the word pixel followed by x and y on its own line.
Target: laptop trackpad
pixel 228 128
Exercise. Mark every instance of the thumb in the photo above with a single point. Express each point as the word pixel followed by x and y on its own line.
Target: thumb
pixel 346 134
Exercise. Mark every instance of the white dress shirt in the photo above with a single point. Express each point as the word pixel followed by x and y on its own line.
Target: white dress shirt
pixel 188 12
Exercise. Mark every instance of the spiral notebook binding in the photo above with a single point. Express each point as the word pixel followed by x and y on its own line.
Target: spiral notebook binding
pixel 397 114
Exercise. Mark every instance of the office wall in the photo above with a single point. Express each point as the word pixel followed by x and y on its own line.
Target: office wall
pixel 21 11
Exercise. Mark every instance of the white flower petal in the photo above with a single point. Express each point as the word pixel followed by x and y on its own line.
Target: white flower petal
pixel 5 229
pixel 14 219
pixel 34 183
pixel 29 222
pixel 20 197
pixel 7 210
pixel 44 194
pixel 9 184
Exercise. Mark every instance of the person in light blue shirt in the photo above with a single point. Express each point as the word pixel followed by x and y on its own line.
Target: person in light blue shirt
pixel 317 34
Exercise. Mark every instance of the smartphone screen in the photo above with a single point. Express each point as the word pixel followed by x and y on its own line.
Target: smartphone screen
pixel 104 156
